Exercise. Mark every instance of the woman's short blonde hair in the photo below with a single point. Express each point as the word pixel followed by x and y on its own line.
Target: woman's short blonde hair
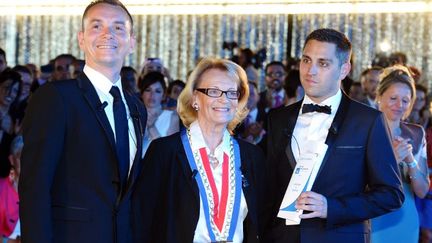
pixel 397 74
pixel 184 106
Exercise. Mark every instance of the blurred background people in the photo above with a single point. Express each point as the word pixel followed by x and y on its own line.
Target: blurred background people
pixel 420 113
pixel 173 92
pixel 129 78
pixel 356 92
pixel 160 122
pixel 369 84
pixel 293 88
pixel 3 62
pixel 155 64
pixel 398 58
pixel 9 202
pixel 245 60
pixel 274 94
pixel 77 67
pixel 17 109
pixel 9 90
pixel 252 128
pixel 63 67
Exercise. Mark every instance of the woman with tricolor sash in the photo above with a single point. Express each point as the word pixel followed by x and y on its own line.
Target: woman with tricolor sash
pixel 201 184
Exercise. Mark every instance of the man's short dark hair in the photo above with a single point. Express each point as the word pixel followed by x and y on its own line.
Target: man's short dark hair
pixel 176 82
pixel 151 78
pixel 274 63
pixel 110 2
pixel 68 56
pixel 374 68
pixel 420 87
pixel 15 77
pixel 22 69
pixel 343 45
pixel 397 57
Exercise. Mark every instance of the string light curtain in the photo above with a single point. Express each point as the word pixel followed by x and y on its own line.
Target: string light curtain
pixel 405 32
pixel 178 39
pixel 181 39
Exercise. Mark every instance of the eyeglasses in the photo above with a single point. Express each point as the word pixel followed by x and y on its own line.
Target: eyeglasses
pixel 216 93
pixel 275 74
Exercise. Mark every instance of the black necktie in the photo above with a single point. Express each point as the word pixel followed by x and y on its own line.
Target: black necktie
pixel 318 108
pixel 121 131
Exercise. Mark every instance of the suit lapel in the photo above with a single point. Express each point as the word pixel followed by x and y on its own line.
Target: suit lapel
pixel 187 172
pixel 335 127
pixel 248 191
pixel 96 106
pixel 292 116
pixel 139 133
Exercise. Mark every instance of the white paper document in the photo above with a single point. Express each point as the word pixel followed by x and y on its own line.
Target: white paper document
pixel 302 180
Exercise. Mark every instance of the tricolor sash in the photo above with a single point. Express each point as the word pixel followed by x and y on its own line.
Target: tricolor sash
pixel 221 215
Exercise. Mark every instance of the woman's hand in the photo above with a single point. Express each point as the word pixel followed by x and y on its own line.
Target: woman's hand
pixel 403 149
pixel 152 116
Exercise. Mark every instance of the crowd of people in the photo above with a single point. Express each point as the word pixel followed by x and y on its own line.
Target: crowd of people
pixel 94 151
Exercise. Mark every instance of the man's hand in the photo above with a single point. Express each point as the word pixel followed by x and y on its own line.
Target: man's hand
pixel 314 202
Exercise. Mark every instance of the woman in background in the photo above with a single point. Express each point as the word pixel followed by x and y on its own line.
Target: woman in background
pixel 395 97
pixel 160 122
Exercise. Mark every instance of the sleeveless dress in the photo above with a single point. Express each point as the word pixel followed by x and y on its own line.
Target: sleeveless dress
pixel 167 123
pixel 402 225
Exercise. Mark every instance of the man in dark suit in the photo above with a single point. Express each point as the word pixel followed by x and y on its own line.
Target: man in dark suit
pixel 369 85
pixel 274 95
pixel 83 142
pixel 355 176
pixel 252 127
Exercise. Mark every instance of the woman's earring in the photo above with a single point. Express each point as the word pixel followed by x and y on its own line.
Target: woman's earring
pixel 195 106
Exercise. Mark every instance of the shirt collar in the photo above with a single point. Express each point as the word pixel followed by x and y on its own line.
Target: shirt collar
pixel 332 101
pixel 197 139
pixel 100 81
pixel 281 93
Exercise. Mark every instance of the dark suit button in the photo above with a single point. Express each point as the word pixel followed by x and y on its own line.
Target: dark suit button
pixel 11 220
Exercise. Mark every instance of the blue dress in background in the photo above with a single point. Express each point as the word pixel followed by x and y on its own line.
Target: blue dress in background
pixel 402 225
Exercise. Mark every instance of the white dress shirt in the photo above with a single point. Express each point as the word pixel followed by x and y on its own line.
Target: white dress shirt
pixel 372 102
pixel 201 231
pixel 313 128
pixel 103 86
pixel 253 115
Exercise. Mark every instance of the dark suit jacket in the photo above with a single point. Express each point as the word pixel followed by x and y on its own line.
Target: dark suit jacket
pixel 358 176
pixel 262 103
pixel 166 202
pixel 69 188
pixel 261 117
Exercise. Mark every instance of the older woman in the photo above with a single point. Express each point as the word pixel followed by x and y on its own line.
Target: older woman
pixel 201 185
pixel 395 96
pixel 160 122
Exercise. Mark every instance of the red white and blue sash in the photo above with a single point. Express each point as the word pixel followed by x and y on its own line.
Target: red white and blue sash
pixel 221 211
